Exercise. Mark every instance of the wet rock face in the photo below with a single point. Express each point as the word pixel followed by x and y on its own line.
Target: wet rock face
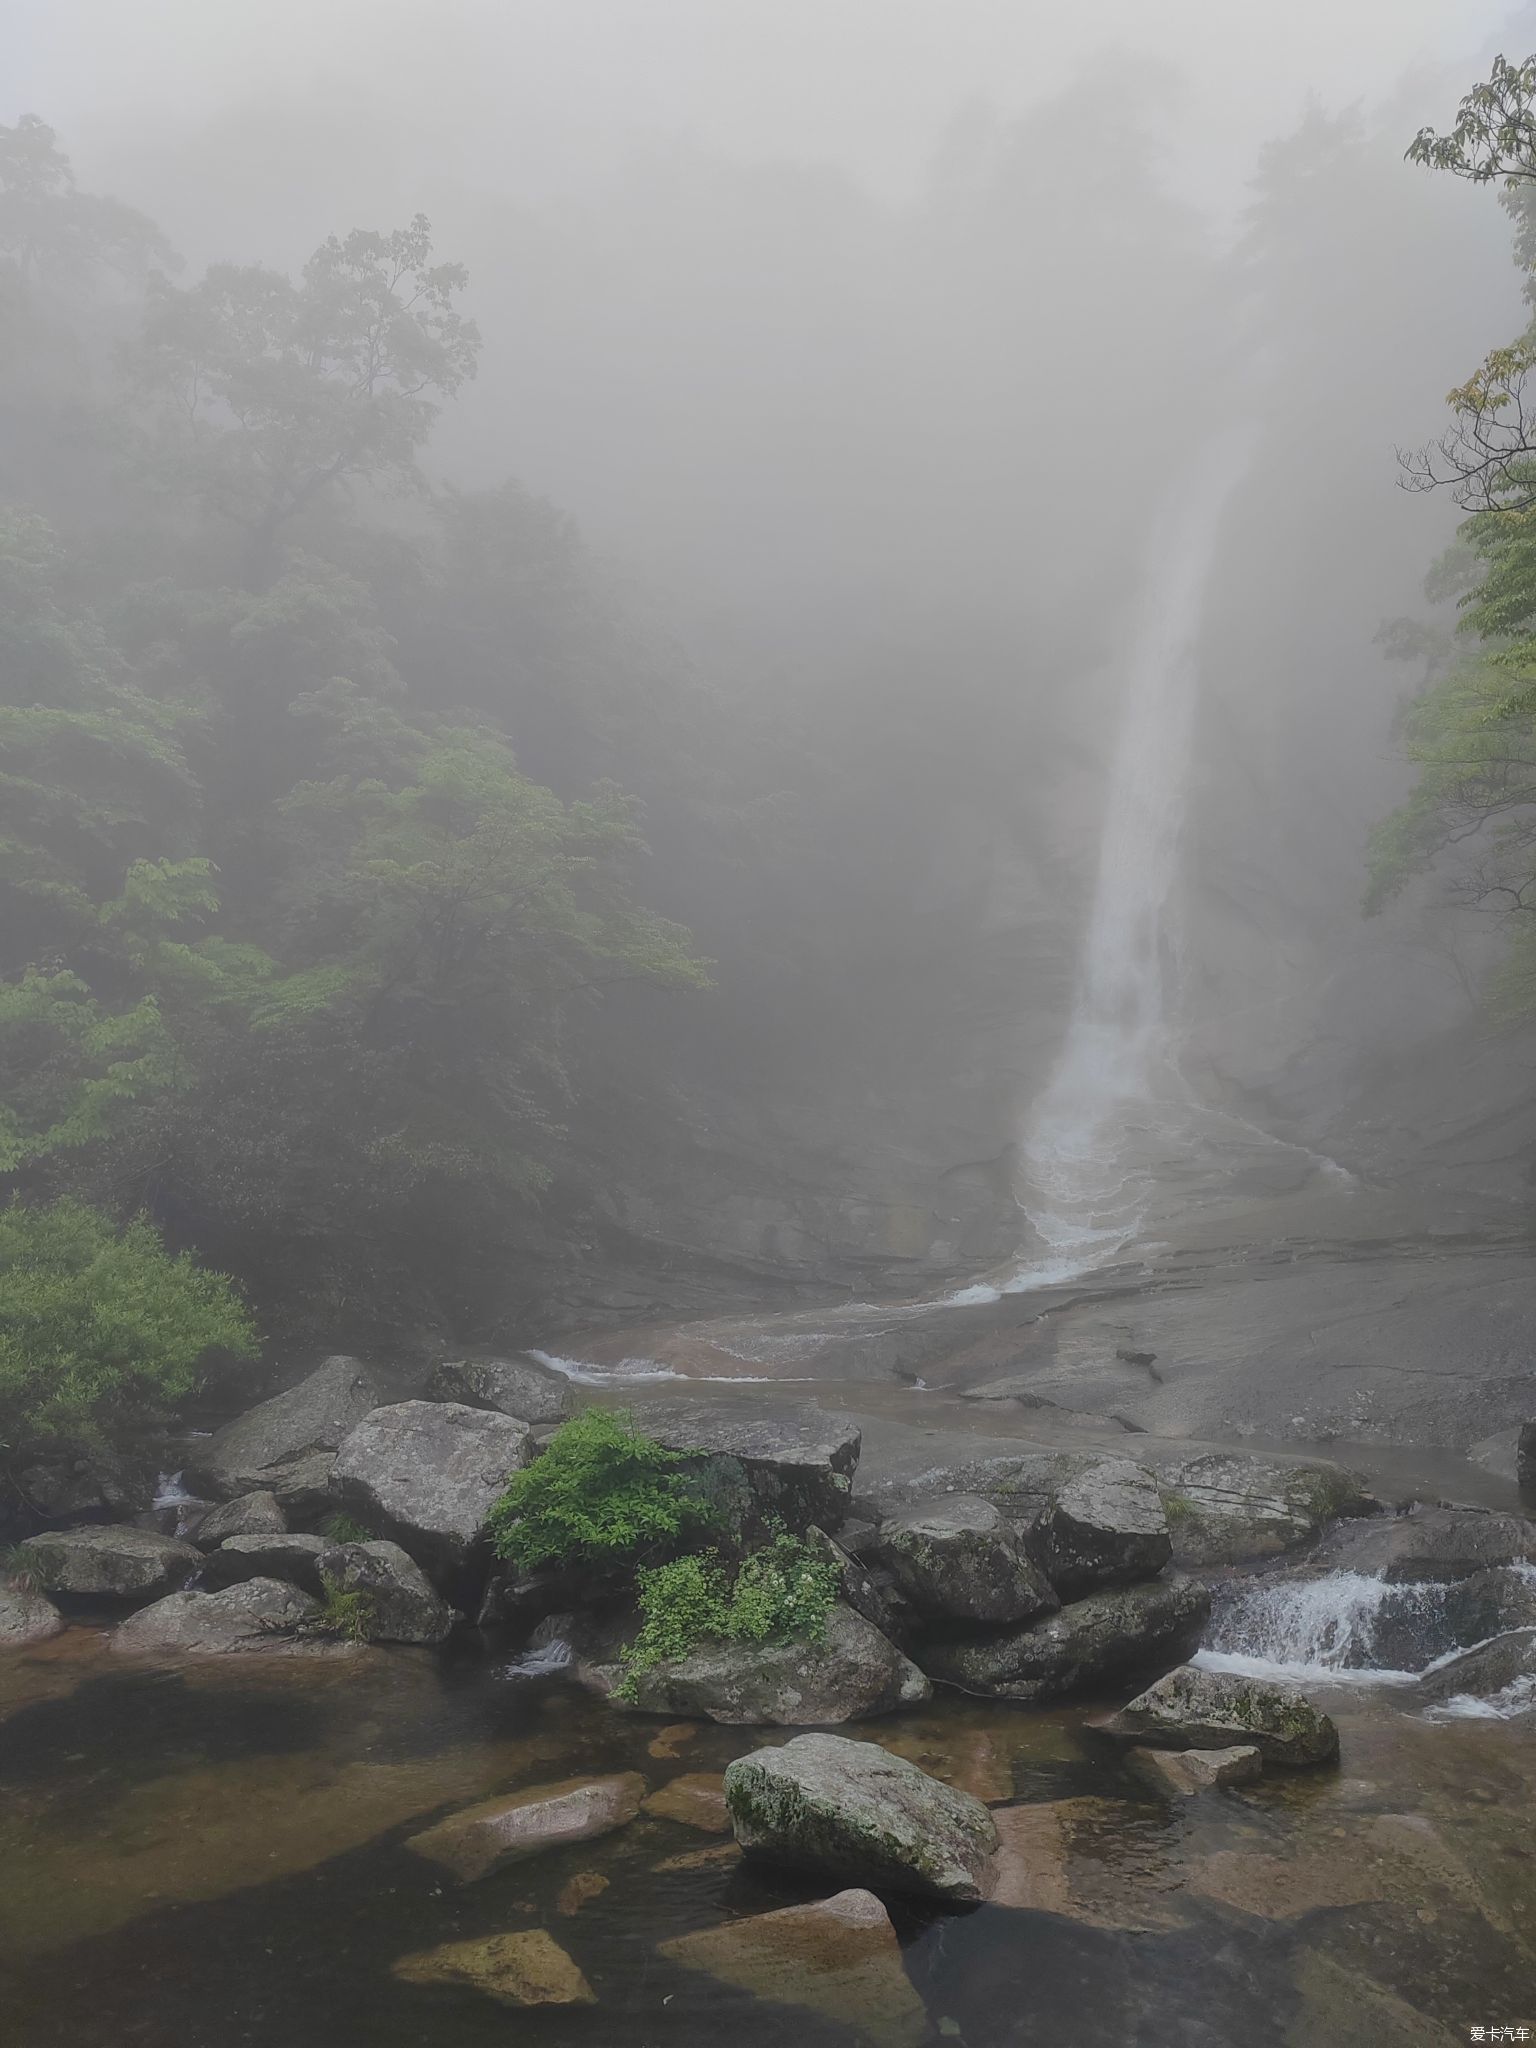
pixel 958 1560
pixel 481 1838
pixel 313 1416
pixel 112 1562
pixel 259 1615
pixel 519 1387
pixel 839 1957
pixel 250 1514
pixel 792 1464
pixel 530 1968
pixel 430 1472
pixel 1193 1709
pixel 26 1617
pixel 400 1603
pixel 852 1811
pixel 1225 1509
pixel 1091 1639
pixel 293 1559
pixel 1486 1672
pixel 853 1672
pixel 1430 1544
pixel 1106 1526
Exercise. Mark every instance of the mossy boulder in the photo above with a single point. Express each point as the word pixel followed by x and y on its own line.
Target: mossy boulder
pixel 1194 1709
pixel 958 1560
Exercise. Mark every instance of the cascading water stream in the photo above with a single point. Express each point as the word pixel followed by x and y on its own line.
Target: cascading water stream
pixel 1112 1113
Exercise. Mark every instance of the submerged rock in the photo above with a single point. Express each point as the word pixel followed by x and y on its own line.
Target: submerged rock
pixel 26 1617
pixel 401 1605
pixel 696 1799
pixel 530 1968
pixel 1194 1709
pixel 294 1559
pixel 518 1387
pixel 854 1811
pixel 429 1472
pixel 313 1416
pixel 249 1514
pixel 1089 1640
pixel 957 1559
pixel 1187 1771
pixel 853 1672
pixel 1105 1526
pixel 481 1838
pixel 261 1614
pixel 793 1463
pixel 839 1957
pixel 115 1562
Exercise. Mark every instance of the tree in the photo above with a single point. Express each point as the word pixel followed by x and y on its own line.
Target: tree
pixel 51 230
pixel 270 396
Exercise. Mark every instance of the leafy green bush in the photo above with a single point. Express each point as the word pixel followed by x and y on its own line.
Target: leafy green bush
pixel 601 1493
pixel 348 1615
pixel 100 1326
pixel 782 1593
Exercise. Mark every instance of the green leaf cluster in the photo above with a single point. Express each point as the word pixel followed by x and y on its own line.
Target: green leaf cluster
pixel 781 1593
pixel 98 1326
pixel 602 1493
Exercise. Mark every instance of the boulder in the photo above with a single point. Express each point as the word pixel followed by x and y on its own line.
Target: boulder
pixel 1187 1771
pixel 249 1514
pixel 839 1958
pixel 793 1463
pixel 1429 1544
pixel 530 1968
pixel 429 1473
pixel 401 1605
pixel 1195 1709
pixel 697 1800
pixel 260 1614
pixel 81 1484
pixel 313 1416
pixel 1525 1457
pixel 1117 1630
pixel 1225 1509
pixel 301 1486
pixel 1104 1527
pixel 867 1586
pixel 293 1559
pixel 852 1811
pixel 114 1562
pixel 26 1617
pixel 512 1386
pixel 852 1672
pixel 1507 1665
pixel 957 1559
pixel 472 1843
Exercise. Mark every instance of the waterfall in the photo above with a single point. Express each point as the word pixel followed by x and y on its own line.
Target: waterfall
pixel 1109 1121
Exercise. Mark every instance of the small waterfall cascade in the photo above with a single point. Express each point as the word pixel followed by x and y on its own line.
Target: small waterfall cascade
pixel 1111 1120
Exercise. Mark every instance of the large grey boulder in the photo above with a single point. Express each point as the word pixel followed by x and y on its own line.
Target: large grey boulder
pixel 1505 1666
pixel 1105 1526
pixel 313 1416
pixel 294 1559
pixel 301 1486
pixel 1225 1508
pixel 792 1463
pixel 1429 1544
pixel 428 1474
pixel 115 1562
pixel 248 1514
pixel 853 1672
pixel 26 1617
pixel 957 1559
pixel 478 1839
pixel 400 1605
pixel 853 1812
pixel 512 1386
pixel 261 1614
pixel 1194 1709
pixel 1119 1629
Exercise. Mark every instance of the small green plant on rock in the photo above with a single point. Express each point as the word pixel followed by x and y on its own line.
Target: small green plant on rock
pixel 344 1614
pixel 18 1569
pixel 341 1528
pixel 781 1593
pixel 602 1493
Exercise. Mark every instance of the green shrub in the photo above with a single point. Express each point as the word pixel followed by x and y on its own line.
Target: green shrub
pixel 343 1528
pixel 99 1327
pixel 782 1593
pixel 348 1615
pixel 602 1493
